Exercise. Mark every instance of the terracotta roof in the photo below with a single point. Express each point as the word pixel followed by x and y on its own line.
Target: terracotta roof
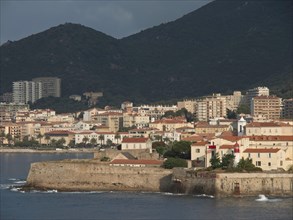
pixel 193 138
pixel 271 138
pixel 135 140
pixel 60 132
pixel 267 124
pixel 210 126
pixel 145 162
pixel 227 146
pixel 232 138
pixel 169 121
pixel 201 143
pixel 261 150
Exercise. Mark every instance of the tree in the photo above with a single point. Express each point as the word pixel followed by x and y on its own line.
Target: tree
pixel 246 164
pixel 182 149
pixel 9 139
pixel 2 137
pixel 85 140
pixel 215 161
pixel 101 138
pixel 243 109
pixel 47 138
pixel 109 142
pixel 93 141
pixel 117 136
pixel 174 162
pixel 71 143
pixel 227 161
pixel 39 136
pixel 231 114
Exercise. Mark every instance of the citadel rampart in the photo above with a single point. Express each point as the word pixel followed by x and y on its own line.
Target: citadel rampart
pixel 92 175
pixel 233 184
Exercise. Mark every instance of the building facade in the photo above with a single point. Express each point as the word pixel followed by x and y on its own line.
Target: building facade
pixel 26 91
pixel 51 86
pixel 268 107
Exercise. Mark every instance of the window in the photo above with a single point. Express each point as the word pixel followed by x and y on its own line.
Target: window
pixel 281 163
pixel 258 155
pixel 258 163
pixel 249 155
pixel 197 150
pixel 270 155
pixel 269 164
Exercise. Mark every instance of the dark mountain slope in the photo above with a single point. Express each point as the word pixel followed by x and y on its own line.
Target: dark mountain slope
pixel 220 47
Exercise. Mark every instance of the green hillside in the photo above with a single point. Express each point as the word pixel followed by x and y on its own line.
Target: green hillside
pixel 222 46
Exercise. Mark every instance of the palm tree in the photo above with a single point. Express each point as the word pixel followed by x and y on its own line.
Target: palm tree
pixel 47 138
pixel 85 140
pixel 39 136
pixel 93 142
pixel 9 139
pixel 117 136
pixel 101 138
pixel 2 137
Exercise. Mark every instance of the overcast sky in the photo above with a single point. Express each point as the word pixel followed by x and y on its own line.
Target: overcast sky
pixel 21 18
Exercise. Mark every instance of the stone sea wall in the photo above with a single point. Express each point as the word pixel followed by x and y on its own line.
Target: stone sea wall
pixel 233 184
pixel 90 175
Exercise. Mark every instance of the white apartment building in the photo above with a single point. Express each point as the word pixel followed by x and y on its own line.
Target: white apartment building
pixel 26 91
pixel 51 86
pixel 258 91
pixel 211 107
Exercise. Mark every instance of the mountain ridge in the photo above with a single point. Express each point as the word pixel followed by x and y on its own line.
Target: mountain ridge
pixel 219 47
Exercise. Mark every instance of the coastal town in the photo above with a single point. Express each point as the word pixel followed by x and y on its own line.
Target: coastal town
pixel 256 125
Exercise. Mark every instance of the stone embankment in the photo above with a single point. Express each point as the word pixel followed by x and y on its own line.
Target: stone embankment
pixel 91 175
pixel 232 184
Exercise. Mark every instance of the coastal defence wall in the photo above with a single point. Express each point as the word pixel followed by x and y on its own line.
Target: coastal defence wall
pixel 232 184
pixel 89 175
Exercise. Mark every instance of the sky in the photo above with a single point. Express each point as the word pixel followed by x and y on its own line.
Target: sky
pixel 120 18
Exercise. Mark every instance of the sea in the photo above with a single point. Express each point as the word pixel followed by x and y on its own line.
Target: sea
pixel 51 204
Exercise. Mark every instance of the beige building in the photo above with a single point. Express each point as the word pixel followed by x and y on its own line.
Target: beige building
pixel 136 120
pixel 268 129
pixel 233 101
pixel 204 127
pixel 258 91
pixel 169 124
pixel 267 106
pixel 211 107
pixel 58 135
pixel 113 120
pixel 189 105
pixel 136 144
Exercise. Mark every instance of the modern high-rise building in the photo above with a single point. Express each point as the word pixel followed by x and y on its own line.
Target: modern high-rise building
pixel 211 107
pixel 51 86
pixel 26 91
pixel 258 91
pixel 268 107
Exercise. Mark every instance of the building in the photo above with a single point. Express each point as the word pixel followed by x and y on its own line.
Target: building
pixel 113 120
pixel 189 105
pixel 268 128
pixel 211 107
pixel 268 107
pixel 169 124
pixel 6 97
pixel 233 101
pixel 287 111
pixel 258 91
pixel 26 91
pixel 51 86
pixel 140 143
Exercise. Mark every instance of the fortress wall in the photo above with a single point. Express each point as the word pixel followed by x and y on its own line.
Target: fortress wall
pixel 94 176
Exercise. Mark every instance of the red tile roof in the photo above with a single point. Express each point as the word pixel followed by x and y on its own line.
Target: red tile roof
pixel 268 124
pixel 271 138
pixel 143 162
pixel 201 143
pixel 227 146
pixel 61 132
pixel 134 140
pixel 261 150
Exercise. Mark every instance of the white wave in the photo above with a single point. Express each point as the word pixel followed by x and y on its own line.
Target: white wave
pixel 14 189
pixel 5 186
pixel 13 179
pixel 20 182
pixel 173 194
pixel 205 195
pixel 263 198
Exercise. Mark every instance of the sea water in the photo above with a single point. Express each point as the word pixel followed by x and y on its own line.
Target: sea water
pixel 51 204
